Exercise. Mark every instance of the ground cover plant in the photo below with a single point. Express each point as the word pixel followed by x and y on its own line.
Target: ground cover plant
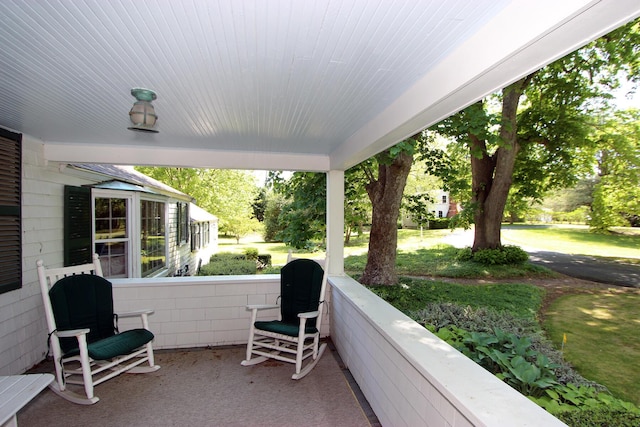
pixel 496 326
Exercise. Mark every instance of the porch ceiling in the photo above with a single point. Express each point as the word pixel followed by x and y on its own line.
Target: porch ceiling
pixel 298 85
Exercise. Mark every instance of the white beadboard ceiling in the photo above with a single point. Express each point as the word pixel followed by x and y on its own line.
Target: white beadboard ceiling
pixel 268 84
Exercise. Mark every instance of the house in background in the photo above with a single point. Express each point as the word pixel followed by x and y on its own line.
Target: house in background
pixel 204 237
pixel 442 206
pixel 139 226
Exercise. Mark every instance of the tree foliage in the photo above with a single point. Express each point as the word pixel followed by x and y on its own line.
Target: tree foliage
pixel 303 215
pixel 226 193
pixel 616 196
pixel 536 134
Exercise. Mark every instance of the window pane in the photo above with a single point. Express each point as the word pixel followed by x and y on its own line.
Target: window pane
pixel 113 257
pixel 152 237
pixel 111 238
pixel 111 218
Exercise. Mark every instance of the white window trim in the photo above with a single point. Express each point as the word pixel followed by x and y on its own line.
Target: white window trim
pixel 133 227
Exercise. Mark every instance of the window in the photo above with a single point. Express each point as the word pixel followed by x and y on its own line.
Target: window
pixel 200 235
pixel 153 252
pixel 444 199
pixel 112 235
pixel 195 237
pixel 440 214
pixel 10 211
pixel 108 223
pixel 182 225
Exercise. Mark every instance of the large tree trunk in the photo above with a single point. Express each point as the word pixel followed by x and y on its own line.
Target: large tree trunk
pixel 385 194
pixel 492 174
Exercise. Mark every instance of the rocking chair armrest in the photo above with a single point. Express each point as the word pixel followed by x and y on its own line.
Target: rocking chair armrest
pixel 71 333
pixel 135 313
pixel 262 306
pixel 309 314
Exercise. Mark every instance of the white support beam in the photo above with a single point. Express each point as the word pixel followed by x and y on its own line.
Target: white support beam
pixel 158 156
pixel 335 221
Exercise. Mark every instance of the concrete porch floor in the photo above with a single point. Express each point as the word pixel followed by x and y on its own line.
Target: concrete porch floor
pixel 208 387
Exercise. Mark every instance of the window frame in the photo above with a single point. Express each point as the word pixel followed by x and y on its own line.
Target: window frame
pixel 166 235
pixel 182 223
pixel 130 217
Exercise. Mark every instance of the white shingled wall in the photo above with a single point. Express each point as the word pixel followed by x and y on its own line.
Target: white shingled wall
pixel 23 338
pixel 198 311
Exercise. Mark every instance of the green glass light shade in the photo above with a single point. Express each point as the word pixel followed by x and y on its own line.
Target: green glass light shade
pixel 142 114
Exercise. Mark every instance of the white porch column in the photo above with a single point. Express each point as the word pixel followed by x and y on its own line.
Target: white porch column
pixel 335 221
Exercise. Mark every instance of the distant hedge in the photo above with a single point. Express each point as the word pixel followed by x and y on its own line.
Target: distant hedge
pixel 227 264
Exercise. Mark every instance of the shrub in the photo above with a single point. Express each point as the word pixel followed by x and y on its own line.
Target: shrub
pixel 502 256
pixel 440 315
pixel 226 264
pixel 439 224
pixel 599 416
pixel 509 356
pixel 251 253
pixel 464 254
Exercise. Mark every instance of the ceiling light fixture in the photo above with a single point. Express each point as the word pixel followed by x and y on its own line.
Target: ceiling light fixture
pixel 142 114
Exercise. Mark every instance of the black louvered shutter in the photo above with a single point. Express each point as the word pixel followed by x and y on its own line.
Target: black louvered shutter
pixel 10 211
pixel 77 225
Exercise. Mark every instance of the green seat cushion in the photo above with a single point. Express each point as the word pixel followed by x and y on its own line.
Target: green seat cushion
pixel 284 328
pixel 115 345
pixel 83 301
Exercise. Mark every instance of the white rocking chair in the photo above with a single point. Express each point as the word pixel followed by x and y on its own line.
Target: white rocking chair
pixel 295 336
pixel 87 348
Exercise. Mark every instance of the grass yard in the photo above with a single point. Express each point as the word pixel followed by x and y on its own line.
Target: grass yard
pixel 622 243
pixel 602 337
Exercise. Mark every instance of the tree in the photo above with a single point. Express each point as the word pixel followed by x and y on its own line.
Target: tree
pixel 382 178
pixel 616 196
pixel 385 189
pixel 259 204
pixel 226 193
pixel 534 135
pixel 302 216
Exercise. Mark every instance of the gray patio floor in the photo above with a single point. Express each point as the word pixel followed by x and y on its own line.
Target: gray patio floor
pixel 208 387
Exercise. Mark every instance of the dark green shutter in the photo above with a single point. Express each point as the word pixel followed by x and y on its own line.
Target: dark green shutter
pixel 77 225
pixel 10 211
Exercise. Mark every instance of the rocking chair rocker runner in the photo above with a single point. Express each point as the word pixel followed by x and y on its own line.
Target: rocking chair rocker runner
pixel 296 335
pixel 83 337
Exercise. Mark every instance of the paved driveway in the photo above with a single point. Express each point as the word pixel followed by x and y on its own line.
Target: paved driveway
pixel 578 266
pixel 589 268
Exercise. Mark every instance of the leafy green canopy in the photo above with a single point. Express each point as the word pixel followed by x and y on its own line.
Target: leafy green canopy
pixel 226 193
pixel 537 134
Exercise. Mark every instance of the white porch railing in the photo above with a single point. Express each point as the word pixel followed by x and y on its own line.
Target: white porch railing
pixel 198 311
pixel 412 378
pixel 409 376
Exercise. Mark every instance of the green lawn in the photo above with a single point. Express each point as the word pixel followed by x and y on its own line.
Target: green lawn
pixel 602 337
pixel 622 243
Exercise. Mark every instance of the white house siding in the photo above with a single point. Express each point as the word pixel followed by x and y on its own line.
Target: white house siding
pixel 23 338
pixel 434 208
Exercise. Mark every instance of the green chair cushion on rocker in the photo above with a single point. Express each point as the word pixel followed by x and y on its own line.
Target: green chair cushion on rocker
pixel 86 301
pixel 284 328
